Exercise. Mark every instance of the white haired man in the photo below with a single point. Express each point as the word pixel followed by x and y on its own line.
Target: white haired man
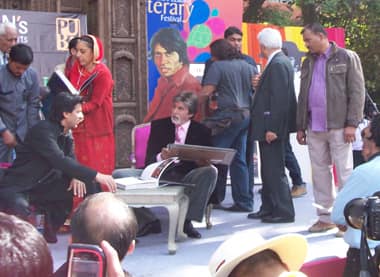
pixel 8 38
pixel 273 118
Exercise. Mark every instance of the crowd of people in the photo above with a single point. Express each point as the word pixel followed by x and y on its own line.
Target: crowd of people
pixel 232 107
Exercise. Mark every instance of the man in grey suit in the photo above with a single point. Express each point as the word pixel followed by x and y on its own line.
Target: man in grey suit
pixel 19 99
pixel 273 117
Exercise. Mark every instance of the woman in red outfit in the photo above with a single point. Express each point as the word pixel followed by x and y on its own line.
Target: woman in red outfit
pixel 94 138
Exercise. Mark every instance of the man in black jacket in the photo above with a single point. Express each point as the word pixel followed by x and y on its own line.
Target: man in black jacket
pixel 273 118
pixel 180 129
pixel 45 173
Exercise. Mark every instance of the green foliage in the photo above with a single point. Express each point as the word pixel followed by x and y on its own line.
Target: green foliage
pixel 276 17
pixel 361 23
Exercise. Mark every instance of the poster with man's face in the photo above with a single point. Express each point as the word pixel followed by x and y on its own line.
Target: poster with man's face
pixel 197 22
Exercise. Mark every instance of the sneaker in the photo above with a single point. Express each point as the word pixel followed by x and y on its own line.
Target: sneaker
pixel 298 191
pixel 321 226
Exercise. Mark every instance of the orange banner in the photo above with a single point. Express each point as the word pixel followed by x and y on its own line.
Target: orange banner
pixel 292 40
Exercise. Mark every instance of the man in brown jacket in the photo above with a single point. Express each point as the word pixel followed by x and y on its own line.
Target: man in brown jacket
pixel 330 107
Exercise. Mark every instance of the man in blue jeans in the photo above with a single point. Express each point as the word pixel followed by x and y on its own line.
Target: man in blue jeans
pixel 229 80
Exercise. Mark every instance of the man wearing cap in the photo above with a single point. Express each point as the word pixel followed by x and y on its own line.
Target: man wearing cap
pixel 248 254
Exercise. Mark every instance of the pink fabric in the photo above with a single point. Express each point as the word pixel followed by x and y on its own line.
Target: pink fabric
pixel 336 35
pixel 5 165
pixel 141 137
pixel 331 266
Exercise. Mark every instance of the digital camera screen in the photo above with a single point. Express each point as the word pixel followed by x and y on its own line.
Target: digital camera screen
pixel 82 267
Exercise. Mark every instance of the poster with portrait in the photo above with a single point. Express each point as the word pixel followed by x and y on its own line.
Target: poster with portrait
pixel 198 22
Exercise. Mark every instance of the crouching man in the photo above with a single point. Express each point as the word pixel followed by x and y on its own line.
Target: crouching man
pixel 45 173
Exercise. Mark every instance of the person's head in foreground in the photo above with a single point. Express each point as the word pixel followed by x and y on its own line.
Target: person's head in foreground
pixel 102 216
pixel 247 254
pixel 23 250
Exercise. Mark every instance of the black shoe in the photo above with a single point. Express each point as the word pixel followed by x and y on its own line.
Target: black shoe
pixel 258 215
pixel 277 219
pixel 190 231
pixel 218 207
pixel 153 227
pixel 50 235
pixel 236 208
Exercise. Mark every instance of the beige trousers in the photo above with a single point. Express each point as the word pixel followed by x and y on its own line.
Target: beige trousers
pixel 327 149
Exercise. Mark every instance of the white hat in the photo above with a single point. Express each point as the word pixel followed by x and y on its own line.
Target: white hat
pixel 291 248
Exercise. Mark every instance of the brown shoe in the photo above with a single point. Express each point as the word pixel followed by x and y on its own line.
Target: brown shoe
pixel 339 234
pixel 321 226
pixel 298 191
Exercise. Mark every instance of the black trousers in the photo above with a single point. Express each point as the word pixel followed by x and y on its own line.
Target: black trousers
pixel 51 199
pixel 275 197
pixel 353 267
pixel 25 204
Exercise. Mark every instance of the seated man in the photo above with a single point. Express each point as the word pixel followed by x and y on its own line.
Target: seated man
pixel 45 171
pixel 363 182
pixel 23 250
pixel 247 254
pixel 179 128
pixel 114 222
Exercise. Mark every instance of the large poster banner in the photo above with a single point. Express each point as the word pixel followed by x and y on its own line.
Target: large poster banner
pixel 199 22
pixel 47 33
pixel 292 41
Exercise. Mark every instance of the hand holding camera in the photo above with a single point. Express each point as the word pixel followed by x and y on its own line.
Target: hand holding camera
pixel 93 261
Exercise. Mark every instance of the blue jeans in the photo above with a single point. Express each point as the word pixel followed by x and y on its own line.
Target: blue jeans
pixel 235 137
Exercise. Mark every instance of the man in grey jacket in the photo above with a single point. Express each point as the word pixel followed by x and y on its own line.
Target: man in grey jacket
pixel 19 99
pixel 330 107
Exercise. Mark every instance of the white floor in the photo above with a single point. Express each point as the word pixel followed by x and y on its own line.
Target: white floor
pixel 152 259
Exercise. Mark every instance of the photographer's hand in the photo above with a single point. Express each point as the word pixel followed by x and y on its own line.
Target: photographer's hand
pixel 114 268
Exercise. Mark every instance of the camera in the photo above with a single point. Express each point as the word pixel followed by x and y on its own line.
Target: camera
pixel 364 212
pixel 85 260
